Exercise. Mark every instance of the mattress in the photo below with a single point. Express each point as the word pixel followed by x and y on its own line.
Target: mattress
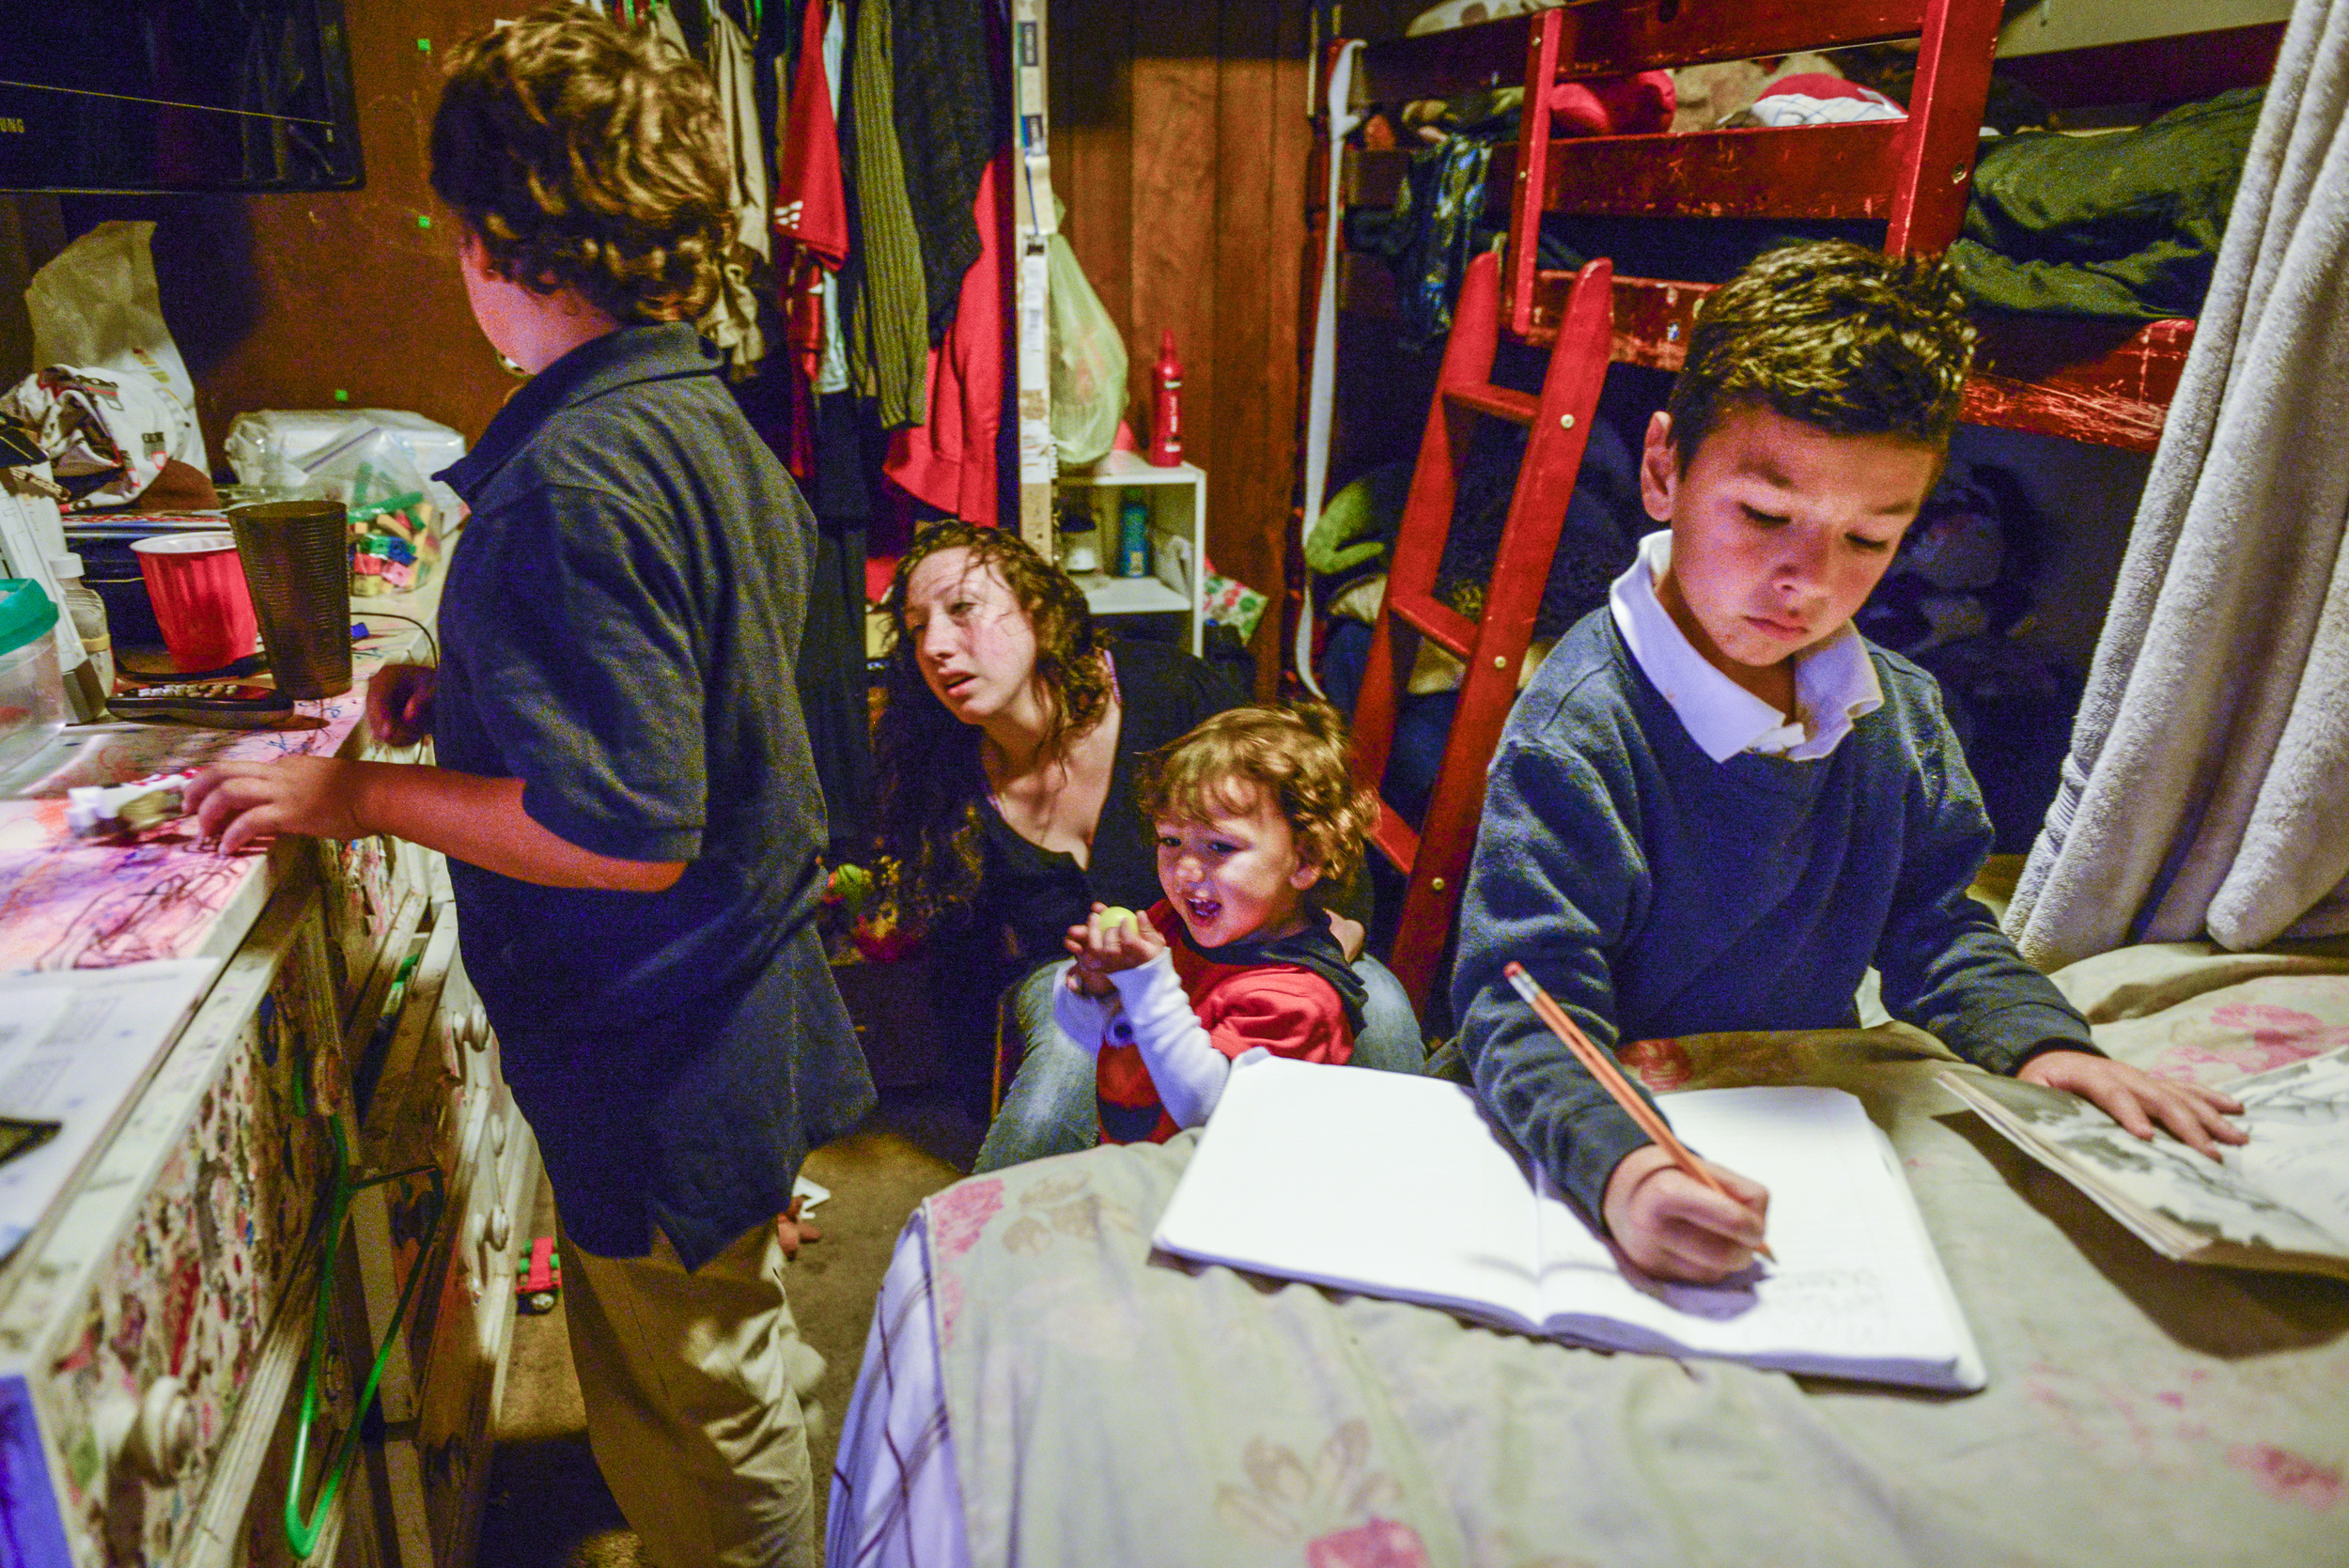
pixel 1039 1388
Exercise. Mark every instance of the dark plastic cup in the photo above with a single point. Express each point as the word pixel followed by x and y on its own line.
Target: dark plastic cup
pixel 296 564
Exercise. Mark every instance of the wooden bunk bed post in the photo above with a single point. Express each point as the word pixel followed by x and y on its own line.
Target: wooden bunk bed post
pixel 1550 35
pixel 1468 361
pixel 1936 168
pixel 1491 647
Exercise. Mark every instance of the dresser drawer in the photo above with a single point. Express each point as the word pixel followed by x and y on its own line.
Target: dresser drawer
pixel 243 1517
pixel 475 1317
pixel 441 1124
pixel 374 886
pixel 432 1469
pixel 437 1490
pixel 143 1314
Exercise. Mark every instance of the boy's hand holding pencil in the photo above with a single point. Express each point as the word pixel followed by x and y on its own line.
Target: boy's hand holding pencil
pixel 1674 1216
pixel 1676 1226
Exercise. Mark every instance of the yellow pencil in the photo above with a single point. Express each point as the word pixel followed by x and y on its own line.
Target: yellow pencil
pixel 1602 1066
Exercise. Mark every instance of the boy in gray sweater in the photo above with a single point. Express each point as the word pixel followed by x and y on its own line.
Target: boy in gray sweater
pixel 1716 806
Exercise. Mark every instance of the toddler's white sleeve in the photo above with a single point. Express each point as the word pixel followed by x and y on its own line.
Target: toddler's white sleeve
pixel 1185 1065
pixel 1084 1019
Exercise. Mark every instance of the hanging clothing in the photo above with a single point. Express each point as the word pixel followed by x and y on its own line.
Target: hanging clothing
pixel 951 460
pixel 829 670
pixel 1440 223
pixel 888 314
pixel 772 54
pixel 830 678
pixel 951 119
pixel 831 373
pixel 730 320
pixel 810 220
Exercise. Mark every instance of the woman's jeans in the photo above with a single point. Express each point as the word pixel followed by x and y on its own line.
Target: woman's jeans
pixel 1049 1108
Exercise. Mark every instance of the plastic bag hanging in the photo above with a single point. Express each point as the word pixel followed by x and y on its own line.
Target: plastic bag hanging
pixel 1088 361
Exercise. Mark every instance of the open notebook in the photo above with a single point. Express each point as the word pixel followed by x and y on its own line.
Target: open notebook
pixel 1396 1186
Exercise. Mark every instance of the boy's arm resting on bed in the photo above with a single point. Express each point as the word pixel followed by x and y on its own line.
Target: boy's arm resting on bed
pixel 1554 883
pixel 1946 966
pixel 1950 970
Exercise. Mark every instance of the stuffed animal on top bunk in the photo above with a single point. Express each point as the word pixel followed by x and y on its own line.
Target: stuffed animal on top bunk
pixel 1965 566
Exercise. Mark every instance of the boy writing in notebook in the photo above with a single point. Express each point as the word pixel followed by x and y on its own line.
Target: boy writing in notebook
pixel 1716 806
pixel 1254 810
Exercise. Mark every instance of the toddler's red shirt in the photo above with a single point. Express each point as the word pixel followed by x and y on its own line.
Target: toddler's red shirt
pixel 1285 1008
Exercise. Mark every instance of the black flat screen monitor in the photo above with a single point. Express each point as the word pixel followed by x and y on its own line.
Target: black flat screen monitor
pixel 146 96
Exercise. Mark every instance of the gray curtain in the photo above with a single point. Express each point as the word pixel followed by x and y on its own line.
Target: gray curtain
pixel 2207 790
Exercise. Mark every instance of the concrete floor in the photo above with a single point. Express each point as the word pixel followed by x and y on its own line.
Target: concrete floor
pixel 548 1507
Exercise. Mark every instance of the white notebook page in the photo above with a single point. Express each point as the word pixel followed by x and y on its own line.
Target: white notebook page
pixel 1362 1180
pixel 1854 1277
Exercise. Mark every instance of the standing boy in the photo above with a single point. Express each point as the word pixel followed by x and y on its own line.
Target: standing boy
pixel 1716 806
pixel 625 790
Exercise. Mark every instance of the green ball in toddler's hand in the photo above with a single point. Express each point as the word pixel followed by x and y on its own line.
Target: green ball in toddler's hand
pixel 1117 915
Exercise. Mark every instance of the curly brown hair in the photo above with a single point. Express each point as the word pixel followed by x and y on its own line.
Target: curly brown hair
pixel 932 781
pixel 1834 335
pixel 588 155
pixel 1296 754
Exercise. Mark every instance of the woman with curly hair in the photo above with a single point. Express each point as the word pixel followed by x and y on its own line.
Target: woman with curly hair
pixel 1008 754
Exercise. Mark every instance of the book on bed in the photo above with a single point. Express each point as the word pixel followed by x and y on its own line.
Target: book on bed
pixel 1395 1186
pixel 2280 1202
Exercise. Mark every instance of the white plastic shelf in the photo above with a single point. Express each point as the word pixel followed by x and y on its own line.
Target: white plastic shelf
pixel 1177 498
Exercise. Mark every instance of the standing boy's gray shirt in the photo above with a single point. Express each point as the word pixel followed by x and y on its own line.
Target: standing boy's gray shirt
pixel 1657 892
pixel 621 617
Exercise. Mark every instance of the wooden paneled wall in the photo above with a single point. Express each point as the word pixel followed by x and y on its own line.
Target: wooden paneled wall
pixel 1180 142
pixel 282 301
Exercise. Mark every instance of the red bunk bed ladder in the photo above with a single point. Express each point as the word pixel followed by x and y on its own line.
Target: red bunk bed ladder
pixel 1435 856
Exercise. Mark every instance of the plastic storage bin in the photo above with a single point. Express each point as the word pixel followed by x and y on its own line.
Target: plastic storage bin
pixel 31 689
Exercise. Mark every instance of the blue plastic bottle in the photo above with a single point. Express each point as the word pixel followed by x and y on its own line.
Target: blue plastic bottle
pixel 1133 537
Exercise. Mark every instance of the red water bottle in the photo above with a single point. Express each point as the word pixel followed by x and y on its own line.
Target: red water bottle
pixel 1166 413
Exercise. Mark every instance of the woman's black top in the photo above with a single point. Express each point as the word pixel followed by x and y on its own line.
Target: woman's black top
pixel 1030 897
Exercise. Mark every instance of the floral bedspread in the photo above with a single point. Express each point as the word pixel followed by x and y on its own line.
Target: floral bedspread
pixel 1107 1405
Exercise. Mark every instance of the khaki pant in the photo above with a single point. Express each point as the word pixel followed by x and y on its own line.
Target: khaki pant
pixel 693 1385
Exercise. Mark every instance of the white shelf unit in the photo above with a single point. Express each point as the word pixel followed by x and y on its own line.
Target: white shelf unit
pixel 1177 497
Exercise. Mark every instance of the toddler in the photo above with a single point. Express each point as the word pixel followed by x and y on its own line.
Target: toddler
pixel 1255 812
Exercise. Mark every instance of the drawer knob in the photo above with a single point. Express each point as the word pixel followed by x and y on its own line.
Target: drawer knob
pixel 477 1028
pixel 499 1231
pixel 156 1438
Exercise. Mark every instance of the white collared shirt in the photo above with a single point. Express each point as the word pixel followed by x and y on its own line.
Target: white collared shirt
pixel 1835 681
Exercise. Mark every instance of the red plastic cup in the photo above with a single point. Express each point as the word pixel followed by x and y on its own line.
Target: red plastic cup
pixel 196 583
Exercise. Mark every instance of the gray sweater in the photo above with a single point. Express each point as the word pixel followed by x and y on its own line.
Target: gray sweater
pixel 1655 893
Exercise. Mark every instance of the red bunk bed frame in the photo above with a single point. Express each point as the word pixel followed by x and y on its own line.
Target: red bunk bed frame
pixel 2104 382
